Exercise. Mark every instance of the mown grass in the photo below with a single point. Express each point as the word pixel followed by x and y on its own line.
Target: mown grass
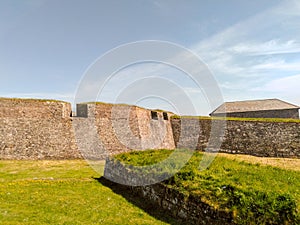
pixel 63 192
pixel 253 193
pixel 283 163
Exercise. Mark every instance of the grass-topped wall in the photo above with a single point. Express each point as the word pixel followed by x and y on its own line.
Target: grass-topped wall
pixel 227 192
pixel 253 136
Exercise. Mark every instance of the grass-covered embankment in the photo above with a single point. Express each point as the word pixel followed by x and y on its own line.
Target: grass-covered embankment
pixel 253 193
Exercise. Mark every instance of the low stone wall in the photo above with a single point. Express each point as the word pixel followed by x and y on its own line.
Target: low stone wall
pixel 267 139
pixel 189 209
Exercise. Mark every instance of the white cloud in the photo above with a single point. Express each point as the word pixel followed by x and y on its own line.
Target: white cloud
pixel 278 64
pixel 242 57
pixel 262 48
pixel 247 55
pixel 292 8
pixel 285 86
pixel 270 47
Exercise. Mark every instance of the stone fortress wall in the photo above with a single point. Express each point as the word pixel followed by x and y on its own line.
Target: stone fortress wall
pixel 258 138
pixel 45 129
pixel 36 129
pixel 120 128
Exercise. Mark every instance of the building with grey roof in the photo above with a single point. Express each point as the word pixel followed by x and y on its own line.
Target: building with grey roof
pixel 265 108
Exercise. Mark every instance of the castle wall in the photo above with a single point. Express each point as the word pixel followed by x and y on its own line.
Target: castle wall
pixel 121 128
pixel 43 129
pixel 36 129
pixel 155 133
pixel 268 139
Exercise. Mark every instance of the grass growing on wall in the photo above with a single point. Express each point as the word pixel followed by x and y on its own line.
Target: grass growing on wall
pixel 31 100
pixel 270 120
pixel 62 192
pixel 253 193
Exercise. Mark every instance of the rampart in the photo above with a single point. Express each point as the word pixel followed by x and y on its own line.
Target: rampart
pixel 121 128
pixel 45 129
pixel 36 129
pixel 259 138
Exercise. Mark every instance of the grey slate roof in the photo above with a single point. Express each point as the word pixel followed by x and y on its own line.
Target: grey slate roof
pixel 253 105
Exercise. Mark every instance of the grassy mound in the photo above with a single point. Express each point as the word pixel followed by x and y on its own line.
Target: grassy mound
pixel 253 193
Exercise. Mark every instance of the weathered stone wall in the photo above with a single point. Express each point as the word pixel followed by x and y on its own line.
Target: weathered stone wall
pixel 121 128
pixel 283 113
pixel 155 133
pixel 269 139
pixel 44 129
pixel 36 129
pixel 190 209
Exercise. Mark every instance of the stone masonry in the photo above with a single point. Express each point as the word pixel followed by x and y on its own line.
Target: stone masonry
pixel 36 129
pixel 258 138
pixel 190 209
pixel 45 129
pixel 121 128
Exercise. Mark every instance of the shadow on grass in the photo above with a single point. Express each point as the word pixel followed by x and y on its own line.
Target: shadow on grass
pixel 149 208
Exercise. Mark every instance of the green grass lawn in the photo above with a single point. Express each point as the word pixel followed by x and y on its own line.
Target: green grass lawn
pixel 253 193
pixel 63 192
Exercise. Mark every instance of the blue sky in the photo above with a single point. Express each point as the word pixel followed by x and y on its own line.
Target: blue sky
pixel 251 47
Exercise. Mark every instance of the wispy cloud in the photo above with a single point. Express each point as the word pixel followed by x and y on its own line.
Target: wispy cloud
pixel 286 88
pixel 257 54
pixel 283 86
pixel 251 58
pixel 278 65
pixel 271 47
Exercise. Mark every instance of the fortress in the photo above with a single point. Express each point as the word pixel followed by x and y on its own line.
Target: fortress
pixel 46 129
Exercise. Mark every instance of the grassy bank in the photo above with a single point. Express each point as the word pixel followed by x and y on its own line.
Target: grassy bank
pixel 253 192
pixel 63 192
